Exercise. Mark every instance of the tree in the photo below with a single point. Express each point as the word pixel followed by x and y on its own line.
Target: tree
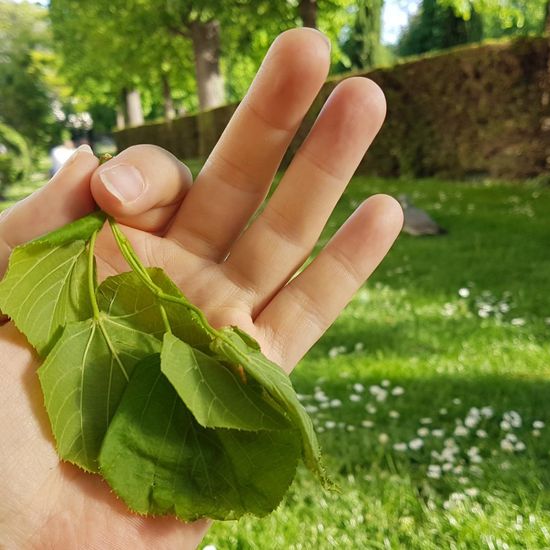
pixel 436 27
pixel 363 45
pixel 26 100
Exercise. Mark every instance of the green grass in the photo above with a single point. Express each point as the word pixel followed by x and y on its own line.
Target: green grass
pixel 409 328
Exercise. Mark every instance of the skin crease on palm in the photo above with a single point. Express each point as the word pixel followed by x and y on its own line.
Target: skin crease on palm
pixel 238 274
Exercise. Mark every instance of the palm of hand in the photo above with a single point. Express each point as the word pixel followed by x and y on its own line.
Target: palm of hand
pixel 237 275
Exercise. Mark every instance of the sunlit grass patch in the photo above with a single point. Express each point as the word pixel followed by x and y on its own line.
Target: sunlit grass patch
pixel 430 394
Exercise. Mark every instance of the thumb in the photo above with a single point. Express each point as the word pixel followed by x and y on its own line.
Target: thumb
pixel 64 199
pixel 142 187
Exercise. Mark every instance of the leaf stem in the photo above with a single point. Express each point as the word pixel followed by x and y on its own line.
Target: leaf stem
pixel 138 268
pixel 91 275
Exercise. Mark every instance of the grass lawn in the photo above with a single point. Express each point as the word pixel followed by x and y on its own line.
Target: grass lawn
pixel 431 393
pixel 425 395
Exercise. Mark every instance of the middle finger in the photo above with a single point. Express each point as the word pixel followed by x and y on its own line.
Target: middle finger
pixel 240 169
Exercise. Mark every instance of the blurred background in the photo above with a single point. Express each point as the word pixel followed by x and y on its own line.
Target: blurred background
pixel 430 394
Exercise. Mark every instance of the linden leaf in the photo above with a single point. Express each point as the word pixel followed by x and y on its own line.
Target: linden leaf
pixel 128 298
pixel 159 460
pixel 216 396
pixel 231 348
pixel 83 379
pixel 45 286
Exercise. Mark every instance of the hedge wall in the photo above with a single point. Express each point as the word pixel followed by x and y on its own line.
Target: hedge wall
pixel 478 110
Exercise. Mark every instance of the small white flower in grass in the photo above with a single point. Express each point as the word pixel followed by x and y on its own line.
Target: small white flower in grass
pixel 472 491
pixel 330 424
pixel 341 425
pixel 443 411
pixel 504 307
pixel 471 421
pixel 371 409
pixel 374 389
pixel 398 390
pixel 487 412
pixel 320 429
pixel 383 439
pixel 416 444
pixel 513 417
pixel 434 471
pixel 324 405
pixel 535 433
pixel 520 446
pixel 350 428
pixel 547 320
pixel 511 437
pixel 359 388
pixel 447 467
pixel 354 397
pixel 320 396
pixel 505 425
pixel 472 451
pixel 359 346
pixel 538 424
pixel 461 431
pixel 482 434
pixel 367 423
pixel 450 442
pixel 507 445
pixel 457 401
pixel 483 313
pixel 423 432
pixel 393 414
pixel 438 433
pixel 336 403
pixel 400 447
pixel 311 409
pixel 464 292
pixel 301 397
pixel 476 459
pixel 333 352
pixel 381 396
pixel 517 322
pixel 425 420
pixel 385 383
pixel 476 470
pixel 209 547
pixel 463 480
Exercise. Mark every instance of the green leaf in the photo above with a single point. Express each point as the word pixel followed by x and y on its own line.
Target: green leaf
pixel 159 460
pixel 216 396
pixel 230 347
pixel 46 284
pixel 83 379
pixel 127 297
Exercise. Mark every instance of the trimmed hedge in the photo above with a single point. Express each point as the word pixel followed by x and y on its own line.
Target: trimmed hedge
pixel 477 110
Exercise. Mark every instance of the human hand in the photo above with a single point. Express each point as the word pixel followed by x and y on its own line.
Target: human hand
pixel 237 276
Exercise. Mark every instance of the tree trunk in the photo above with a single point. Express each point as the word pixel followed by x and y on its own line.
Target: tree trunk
pixel 206 47
pixel 308 13
pixel 133 104
pixel 120 118
pixel 169 111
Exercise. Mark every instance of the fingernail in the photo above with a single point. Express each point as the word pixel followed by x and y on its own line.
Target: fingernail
pixel 123 181
pixel 324 36
pixel 85 148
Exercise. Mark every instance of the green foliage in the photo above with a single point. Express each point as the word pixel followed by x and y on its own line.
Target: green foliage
pixel 26 96
pixel 441 24
pixel 363 46
pixel 15 158
pixel 178 417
